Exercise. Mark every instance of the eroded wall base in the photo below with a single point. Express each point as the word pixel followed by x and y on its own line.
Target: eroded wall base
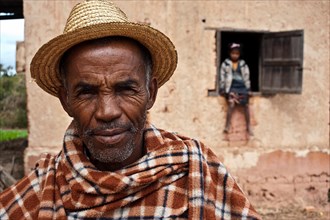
pixel 281 179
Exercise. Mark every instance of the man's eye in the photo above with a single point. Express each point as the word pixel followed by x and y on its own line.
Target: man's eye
pixel 85 92
pixel 126 89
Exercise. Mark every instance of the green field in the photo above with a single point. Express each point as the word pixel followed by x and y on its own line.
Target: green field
pixel 8 135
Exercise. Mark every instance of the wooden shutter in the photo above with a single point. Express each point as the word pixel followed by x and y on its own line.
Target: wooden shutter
pixel 282 62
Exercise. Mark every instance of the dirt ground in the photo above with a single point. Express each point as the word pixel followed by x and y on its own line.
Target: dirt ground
pixel 12 156
pixel 295 213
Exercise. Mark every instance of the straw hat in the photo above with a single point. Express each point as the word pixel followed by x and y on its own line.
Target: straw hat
pixel 96 19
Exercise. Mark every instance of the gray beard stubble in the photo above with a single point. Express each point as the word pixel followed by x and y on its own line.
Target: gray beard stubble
pixel 112 154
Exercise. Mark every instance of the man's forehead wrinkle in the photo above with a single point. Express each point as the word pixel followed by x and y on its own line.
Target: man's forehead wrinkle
pixel 130 65
pixel 107 65
pixel 120 80
pixel 106 69
pixel 111 49
pixel 105 81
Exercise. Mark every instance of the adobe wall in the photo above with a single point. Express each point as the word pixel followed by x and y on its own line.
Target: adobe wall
pixel 289 153
pixel 20 57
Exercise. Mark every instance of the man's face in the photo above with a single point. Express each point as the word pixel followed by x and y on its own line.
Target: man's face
pixel 234 54
pixel 107 95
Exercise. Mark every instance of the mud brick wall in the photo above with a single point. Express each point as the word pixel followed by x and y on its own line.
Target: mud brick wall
pixel 281 178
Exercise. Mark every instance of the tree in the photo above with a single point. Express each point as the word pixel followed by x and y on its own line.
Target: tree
pixel 6 71
pixel 12 99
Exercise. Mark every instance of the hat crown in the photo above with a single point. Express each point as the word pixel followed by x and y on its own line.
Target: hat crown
pixel 93 12
pixel 98 19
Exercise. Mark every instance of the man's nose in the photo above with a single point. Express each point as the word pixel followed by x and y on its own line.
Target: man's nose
pixel 108 108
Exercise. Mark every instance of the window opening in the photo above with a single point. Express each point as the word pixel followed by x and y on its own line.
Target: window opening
pixel 250 52
pixel 275 59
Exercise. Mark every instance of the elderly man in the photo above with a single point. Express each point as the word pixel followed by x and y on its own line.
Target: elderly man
pixel 106 72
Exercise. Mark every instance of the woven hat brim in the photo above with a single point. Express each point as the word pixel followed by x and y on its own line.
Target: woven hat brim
pixel 45 64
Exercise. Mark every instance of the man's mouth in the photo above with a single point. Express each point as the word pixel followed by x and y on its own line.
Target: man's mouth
pixel 110 136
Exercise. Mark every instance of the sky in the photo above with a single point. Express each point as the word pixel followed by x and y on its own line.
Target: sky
pixel 10 32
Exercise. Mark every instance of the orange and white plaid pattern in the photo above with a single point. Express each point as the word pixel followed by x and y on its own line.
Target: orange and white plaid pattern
pixel 178 178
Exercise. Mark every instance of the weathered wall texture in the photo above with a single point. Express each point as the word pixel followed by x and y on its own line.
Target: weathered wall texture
pixel 20 57
pixel 290 148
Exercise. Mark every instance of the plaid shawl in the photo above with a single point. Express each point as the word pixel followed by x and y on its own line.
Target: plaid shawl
pixel 178 178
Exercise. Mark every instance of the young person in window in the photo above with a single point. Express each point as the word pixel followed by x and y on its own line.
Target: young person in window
pixel 235 84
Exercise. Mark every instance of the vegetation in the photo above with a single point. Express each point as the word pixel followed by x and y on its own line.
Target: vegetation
pixel 6 71
pixel 12 100
pixel 8 135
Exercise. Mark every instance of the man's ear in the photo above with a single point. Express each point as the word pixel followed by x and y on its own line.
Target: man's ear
pixel 63 96
pixel 153 89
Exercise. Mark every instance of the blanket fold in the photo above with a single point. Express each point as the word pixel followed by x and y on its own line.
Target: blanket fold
pixel 178 178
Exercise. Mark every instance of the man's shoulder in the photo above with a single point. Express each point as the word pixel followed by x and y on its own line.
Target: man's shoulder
pixel 27 189
pixel 170 138
pixel 165 136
